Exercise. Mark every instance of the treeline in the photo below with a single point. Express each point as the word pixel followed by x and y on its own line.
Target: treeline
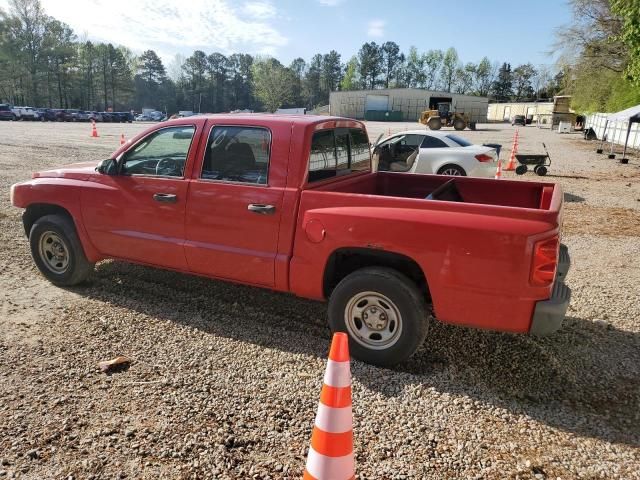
pixel 43 63
pixel 600 64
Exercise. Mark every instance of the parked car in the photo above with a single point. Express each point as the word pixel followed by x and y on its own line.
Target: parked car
pixel 95 116
pixel 519 120
pixel 83 116
pixel 296 208
pixel 71 115
pixel 31 113
pixel 47 114
pixel 143 117
pixel 106 116
pixel 443 153
pixel 6 113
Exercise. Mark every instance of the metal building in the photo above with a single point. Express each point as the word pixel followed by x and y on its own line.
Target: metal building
pixel 403 104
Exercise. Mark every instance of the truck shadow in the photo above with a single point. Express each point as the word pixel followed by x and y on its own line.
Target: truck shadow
pixel 581 379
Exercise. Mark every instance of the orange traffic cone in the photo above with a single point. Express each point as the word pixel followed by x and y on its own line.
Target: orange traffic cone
pixel 499 170
pixel 94 130
pixel 331 451
pixel 511 166
pixel 122 140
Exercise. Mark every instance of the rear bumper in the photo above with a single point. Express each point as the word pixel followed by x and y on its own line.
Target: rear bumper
pixel 549 314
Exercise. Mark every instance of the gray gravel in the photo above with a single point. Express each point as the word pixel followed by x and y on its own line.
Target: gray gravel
pixel 225 379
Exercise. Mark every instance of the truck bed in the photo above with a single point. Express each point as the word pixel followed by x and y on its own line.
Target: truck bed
pixel 535 200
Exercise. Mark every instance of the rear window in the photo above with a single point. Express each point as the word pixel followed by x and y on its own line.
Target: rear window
pixel 4 108
pixel 338 152
pixel 459 140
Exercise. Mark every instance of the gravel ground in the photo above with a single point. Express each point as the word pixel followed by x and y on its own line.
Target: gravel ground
pixel 225 379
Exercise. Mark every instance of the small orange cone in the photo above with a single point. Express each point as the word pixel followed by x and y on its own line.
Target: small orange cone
pixel 499 170
pixel 331 451
pixel 511 166
pixel 122 140
pixel 94 130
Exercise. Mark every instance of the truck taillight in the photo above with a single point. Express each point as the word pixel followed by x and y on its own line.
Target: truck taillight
pixel 545 261
pixel 484 158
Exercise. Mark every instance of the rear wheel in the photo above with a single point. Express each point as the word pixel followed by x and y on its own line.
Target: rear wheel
pixel 434 123
pixel 459 124
pixel 521 169
pixel 57 251
pixel 382 311
pixel 452 170
pixel 541 170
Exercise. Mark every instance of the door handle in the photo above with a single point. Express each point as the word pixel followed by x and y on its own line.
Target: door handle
pixel 261 208
pixel 165 197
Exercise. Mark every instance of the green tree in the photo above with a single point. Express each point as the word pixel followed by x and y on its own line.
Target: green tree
pixel 432 62
pixel 27 31
pixel 272 83
pixel 629 12
pixel 483 76
pixel 392 59
pixel 217 68
pixel 463 79
pixel 330 75
pixel 350 79
pixel 502 86
pixel 414 69
pixel 298 67
pixel 448 69
pixel 240 75
pixel 370 59
pixel 522 77
pixel 312 83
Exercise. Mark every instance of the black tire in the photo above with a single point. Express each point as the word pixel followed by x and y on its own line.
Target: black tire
pixel 403 296
pixel 459 171
pixel 13 118
pixel 459 124
pixel 434 123
pixel 521 169
pixel 78 267
pixel 541 170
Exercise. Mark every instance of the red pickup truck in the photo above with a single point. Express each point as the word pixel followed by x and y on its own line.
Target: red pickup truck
pixel 290 203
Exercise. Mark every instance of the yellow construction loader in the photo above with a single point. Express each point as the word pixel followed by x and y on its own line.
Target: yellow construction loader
pixel 443 117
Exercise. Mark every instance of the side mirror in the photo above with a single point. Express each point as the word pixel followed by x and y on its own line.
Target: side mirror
pixel 108 167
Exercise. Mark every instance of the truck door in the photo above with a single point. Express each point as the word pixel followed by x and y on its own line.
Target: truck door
pixel 138 214
pixel 234 207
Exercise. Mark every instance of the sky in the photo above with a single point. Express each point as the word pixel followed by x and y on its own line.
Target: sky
pixel 503 30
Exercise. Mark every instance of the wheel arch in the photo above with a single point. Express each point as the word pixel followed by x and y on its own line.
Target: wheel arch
pixel 346 260
pixel 38 210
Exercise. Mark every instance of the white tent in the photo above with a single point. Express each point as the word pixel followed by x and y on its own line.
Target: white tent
pixel 631 116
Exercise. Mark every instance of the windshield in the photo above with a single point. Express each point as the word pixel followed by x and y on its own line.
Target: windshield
pixel 459 140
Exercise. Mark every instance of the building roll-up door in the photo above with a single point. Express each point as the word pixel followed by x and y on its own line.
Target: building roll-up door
pixel 377 102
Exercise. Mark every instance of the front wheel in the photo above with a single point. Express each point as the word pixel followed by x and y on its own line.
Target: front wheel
pixel 57 251
pixel 382 311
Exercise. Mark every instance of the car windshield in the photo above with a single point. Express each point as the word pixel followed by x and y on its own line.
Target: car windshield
pixel 4 108
pixel 459 140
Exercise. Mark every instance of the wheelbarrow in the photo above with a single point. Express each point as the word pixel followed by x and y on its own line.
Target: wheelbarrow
pixel 538 161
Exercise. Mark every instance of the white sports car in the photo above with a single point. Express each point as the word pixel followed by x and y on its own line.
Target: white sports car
pixel 443 153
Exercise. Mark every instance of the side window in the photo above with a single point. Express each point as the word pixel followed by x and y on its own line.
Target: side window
pixel 432 142
pixel 237 154
pixel 162 153
pixel 413 140
pixel 338 152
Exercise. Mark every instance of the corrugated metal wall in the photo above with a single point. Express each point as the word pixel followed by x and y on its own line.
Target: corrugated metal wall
pixel 411 102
